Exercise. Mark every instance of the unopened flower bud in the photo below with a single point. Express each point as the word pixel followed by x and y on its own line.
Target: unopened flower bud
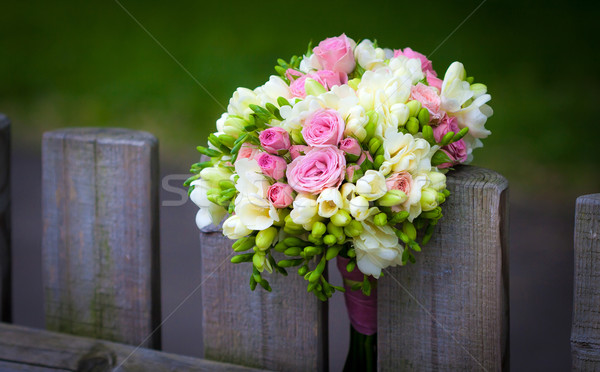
pixel 392 198
pixel 428 199
pixel 353 83
pixel 318 229
pixel 409 229
pixel 234 126
pixel 313 87
pixel 380 219
pixel 423 116
pixel 412 125
pixel 341 218
pixel 413 107
pixel 354 228
pixel 258 260
pixel 265 238
pixel 329 239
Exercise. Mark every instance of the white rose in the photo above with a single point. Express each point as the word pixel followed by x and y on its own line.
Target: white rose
pixel 305 208
pixel 359 208
pixel 240 101
pixel 234 229
pixel 368 56
pixel 407 69
pixel 330 201
pixel 377 247
pixel 405 153
pixel 372 185
pixel 209 212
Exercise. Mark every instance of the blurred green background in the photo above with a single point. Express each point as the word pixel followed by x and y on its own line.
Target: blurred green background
pixel 69 63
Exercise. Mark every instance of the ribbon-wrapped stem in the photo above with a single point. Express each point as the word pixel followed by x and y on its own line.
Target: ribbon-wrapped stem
pixel 362 311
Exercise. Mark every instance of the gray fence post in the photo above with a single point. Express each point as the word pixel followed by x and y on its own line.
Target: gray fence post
pixel 5 256
pixel 101 234
pixel 285 330
pixel 449 311
pixel 585 331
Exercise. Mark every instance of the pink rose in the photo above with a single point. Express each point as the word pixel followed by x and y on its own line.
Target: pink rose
pixel 399 181
pixel 274 139
pixel 248 151
pixel 351 146
pixel 363 156
pixel 433 80
pixel 324 127
pixel 429 99
pixel 280 194
pixel 426 64
pixel 402 181
pixel 271 165
pixel 457 151
pixel 353 173
pixel 336 54
pixel 321 168
pixel 326 78
pixel 298 150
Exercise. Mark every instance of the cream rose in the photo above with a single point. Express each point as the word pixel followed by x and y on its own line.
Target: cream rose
pixel 376 248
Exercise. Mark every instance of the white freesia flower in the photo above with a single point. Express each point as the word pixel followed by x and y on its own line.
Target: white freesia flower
pixel 456 93
pixel 348 192
pixel 371 186
pixel 330 201
pixel 240 101
pixel 413 202
pixel 405 153
pixel 251 204
pixel 215 174
pixel 360 209
pixel 305 209
pixel 376 248
pixel 386 94
pixel 251 180
pixel 274 88
pixel 356 121
pixel 407 69
pixel 234 229
pixel 256 213
pixel 368 56
pixel 209 212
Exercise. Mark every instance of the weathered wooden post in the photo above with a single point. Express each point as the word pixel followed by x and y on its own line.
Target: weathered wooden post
pixel 449 311
pixel 585 331
pixel 285 330
pixel 101 234
pixel 5 256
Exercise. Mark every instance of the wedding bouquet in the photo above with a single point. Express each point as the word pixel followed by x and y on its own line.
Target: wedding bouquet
pixel 343 153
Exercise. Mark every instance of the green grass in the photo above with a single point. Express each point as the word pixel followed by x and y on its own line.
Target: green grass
pixel 89 64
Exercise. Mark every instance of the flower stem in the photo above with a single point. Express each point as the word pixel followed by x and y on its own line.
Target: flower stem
pixel 362 355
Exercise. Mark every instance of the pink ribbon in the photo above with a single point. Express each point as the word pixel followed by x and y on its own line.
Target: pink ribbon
pixel 362 309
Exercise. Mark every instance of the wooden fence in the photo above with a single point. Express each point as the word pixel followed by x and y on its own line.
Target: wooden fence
pixel 101 277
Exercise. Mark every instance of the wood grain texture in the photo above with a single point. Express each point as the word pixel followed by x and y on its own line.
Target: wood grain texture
pixel 285 330
pixel 449 310
pixel 585 330
pixel 27 349
pixel 5 240
pixel 100 234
